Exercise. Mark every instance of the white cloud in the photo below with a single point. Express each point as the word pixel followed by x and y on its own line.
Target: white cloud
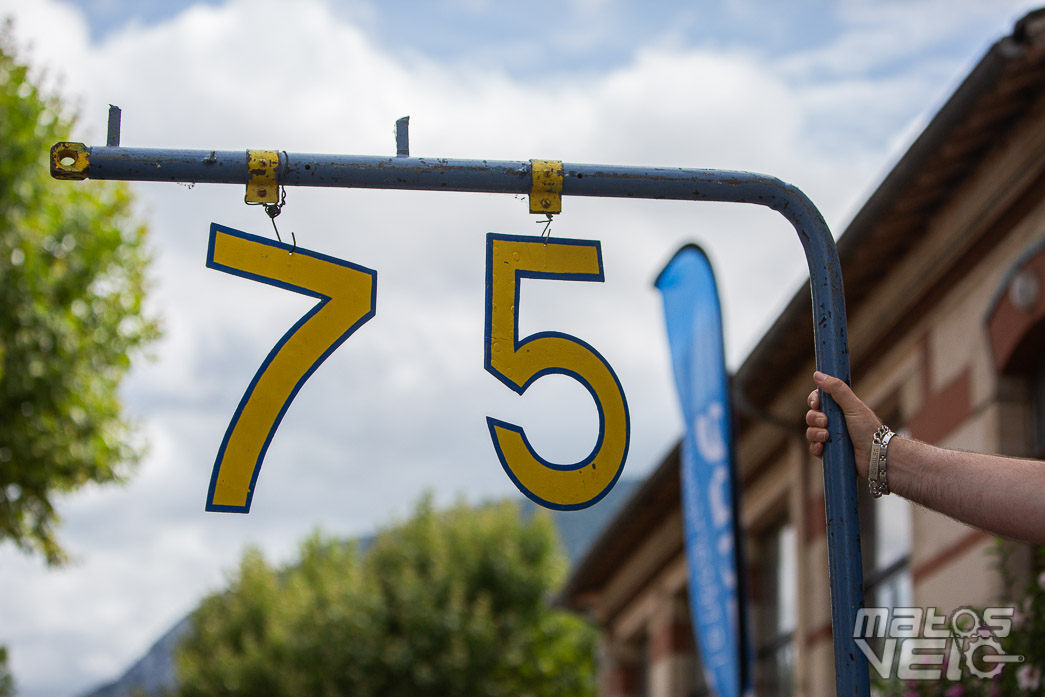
pixel 400 407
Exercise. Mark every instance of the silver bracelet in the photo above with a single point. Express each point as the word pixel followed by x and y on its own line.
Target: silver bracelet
pixel 877 475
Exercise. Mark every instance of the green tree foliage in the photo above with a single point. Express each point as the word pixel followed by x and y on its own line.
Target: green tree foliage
pixel 7 683
pixel 451 603
pixel 72 265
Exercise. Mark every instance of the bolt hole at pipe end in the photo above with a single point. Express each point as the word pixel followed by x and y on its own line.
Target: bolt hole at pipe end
pixel 67 156
pixel 69 161
pixel 308 167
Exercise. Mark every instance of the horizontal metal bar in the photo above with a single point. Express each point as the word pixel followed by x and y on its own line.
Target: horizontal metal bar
pixel 436 174
pixel 342 171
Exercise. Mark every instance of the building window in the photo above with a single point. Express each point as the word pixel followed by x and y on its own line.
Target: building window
pixel 644 672
pixel 775 618
pixel 693 679
pixel 885 531
pixel 1037 383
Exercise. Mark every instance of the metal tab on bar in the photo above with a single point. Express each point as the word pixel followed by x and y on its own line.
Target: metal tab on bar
pixel 546 192
pixel 403 137
pixel 262 166
pixel 112 138
pixel 70 161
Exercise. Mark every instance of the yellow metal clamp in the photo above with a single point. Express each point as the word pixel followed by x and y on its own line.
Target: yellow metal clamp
pixel 262 166
pixel 546 190
pixel 70 161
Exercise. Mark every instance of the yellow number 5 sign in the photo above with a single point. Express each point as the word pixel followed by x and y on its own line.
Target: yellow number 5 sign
pixel 518 363
pixel 347 296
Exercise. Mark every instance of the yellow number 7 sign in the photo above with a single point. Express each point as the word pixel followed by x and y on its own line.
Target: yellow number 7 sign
pixel 347 296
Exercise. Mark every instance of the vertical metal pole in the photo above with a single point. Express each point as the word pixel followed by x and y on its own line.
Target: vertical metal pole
pixel 843 524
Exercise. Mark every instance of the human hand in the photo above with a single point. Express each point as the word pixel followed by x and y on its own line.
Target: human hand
pixel 859 418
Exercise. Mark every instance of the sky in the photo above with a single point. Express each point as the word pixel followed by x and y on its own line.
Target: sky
pixel 826 95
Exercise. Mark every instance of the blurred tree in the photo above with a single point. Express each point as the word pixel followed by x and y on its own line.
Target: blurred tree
pixel 72 265
pixel 7 683
pixel 451 603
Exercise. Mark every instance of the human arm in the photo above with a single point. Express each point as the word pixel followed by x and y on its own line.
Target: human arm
pixel 1005 496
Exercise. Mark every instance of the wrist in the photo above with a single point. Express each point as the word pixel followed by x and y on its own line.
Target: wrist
pixel 878 462
pixel 910 461
pixel 862 447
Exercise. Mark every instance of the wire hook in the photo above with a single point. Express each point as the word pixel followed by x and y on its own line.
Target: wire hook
pixel 546 232
pixel 274 209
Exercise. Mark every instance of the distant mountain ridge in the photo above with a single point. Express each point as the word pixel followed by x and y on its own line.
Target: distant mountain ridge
pixel 154 674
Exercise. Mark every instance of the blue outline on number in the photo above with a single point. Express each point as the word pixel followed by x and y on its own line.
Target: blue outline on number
pixel 554 370
pixel 324 299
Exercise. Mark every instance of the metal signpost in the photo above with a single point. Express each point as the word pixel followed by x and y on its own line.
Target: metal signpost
pixel 545 182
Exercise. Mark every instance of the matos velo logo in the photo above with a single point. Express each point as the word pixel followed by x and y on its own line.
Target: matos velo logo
pixel 913 643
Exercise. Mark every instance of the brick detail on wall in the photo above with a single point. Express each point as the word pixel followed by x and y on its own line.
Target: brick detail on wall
pixel 816 518
pixel 671 639
pixel 619 680
pixel 821 633
pixel 1014 331
pixel 944 410
pixel 947 555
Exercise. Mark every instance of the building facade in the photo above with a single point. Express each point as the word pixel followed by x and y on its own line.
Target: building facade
pixel 944 270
